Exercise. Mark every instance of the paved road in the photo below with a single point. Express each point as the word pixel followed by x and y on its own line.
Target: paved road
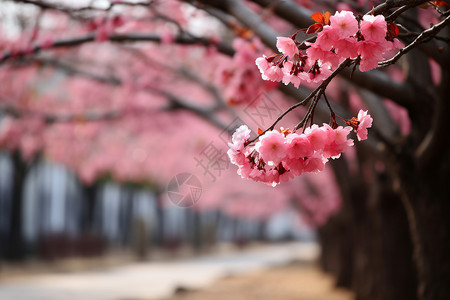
pixel 152 280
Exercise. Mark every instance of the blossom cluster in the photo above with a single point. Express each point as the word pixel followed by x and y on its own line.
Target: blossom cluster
pixel 370 39
pixel 239 77
pixel 279 156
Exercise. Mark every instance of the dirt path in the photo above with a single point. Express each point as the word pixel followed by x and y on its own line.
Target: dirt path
pixel 293 282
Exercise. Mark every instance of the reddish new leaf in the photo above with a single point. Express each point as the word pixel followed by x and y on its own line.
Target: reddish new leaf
pixel 323 19
pixel 393 29
pixel 326 18
pixel 318 17
pixel 440 3
pixel 314 28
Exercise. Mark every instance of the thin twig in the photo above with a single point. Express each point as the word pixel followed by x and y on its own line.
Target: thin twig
pixel 433 30
pixel 317 92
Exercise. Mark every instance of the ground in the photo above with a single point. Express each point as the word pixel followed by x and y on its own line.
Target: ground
pixel 297 281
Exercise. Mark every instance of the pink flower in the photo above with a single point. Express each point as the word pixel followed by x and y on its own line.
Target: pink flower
pixel 286 176
pixel 365 121
pixel 326 38
pixel 299 146
pixel 344 23
pixel 320 75
pixel 373 28
pixel 237 150
pixel 272 178
pixel 341 135
pixel 371 49
pixel 262 64
pixel 371 53
pixel 269 71
pixel 317 137
pixel 236 157
pixel 287 46
pixel 274 73
pixel 271 146
pixel 315 52
pixel 392 48
pixel 241 135
pixel 346 48
pixel 288 77
pixel 337 141
pixel 295 165
pixel 316 163
pixel 368 64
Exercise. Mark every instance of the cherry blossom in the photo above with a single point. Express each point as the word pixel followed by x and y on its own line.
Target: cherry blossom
pixel 343 38
pixel 344 24
pixel 373 28
pixel 365 121
pixel 272 146
pixel 287 46
pixel 278 156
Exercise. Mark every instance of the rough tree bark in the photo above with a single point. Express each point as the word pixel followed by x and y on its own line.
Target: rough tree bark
pixel 15 248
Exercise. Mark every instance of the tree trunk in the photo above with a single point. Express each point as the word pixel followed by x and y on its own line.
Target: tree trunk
pixel 427 200
pixel 15 248
pixel 367 246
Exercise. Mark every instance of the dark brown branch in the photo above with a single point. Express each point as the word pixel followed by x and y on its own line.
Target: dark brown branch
pixel 392 17
pixel 376 81
pixel 432 31
pixel 122 38
pixel 67 9
pixel 290 11
pixel 314 94
pixel 390 4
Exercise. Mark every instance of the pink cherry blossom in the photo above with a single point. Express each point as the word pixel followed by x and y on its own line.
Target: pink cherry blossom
pixel 296 165
pixel 344 23
pixel 268 71
pixel 315 163
pixel 325 56
pixel 241 135
pixel 272 146
pixel 287 46
pixel 373 28
pixel 365 121
pixel 299 146
pixel 317 136
pixel 290 77
pixel 368 64
pixel 262 64
pixel 346 47
pixel 320 75
pixel 371 53
pixel 326 38
pixel 337 141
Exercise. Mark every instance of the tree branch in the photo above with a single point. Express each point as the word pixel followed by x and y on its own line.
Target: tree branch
pixel 435 145
pixel 432 31
pixel 289 11
pixel 375 81
pixel 67 9
pixel 389 4
pixel 121 38
pixel 316 94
